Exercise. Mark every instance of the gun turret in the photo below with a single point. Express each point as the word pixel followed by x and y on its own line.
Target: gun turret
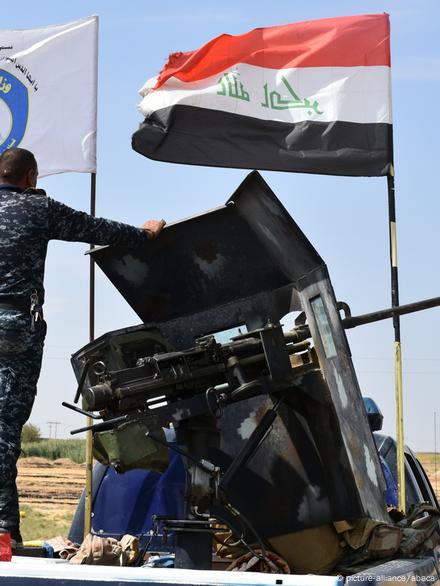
pixel 264 420
pixel 166 386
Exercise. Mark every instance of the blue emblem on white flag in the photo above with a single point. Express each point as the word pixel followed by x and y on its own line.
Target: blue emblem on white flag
pixel 14 110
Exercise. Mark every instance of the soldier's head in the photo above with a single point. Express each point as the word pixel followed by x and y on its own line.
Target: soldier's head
pixel 18 167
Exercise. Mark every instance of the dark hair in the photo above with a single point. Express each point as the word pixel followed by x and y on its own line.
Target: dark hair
pixel 15 163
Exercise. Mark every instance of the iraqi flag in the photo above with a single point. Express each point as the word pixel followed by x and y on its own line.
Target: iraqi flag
pixel 311 97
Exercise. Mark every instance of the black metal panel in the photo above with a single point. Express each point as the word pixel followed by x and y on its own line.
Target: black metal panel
pixel 274 229
pixel 334 355
pixel 221 259
pixel 289 484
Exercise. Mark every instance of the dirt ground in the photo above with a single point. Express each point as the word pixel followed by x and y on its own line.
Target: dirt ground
pixel 53 485
pixel 49 492
pixel 47 485
pixel 431 464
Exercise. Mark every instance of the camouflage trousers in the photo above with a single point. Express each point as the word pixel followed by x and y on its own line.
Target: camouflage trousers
pixel 20 363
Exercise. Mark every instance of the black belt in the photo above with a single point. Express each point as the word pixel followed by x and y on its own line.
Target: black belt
pixel 15 303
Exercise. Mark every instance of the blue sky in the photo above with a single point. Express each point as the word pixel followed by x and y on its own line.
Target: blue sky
pixel 345 218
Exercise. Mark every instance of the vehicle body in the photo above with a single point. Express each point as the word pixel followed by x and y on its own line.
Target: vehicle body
pixel 120 507
pixel 122 503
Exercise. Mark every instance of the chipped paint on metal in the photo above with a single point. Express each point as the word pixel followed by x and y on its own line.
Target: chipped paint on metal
pixel 247 426
pixel 138 269
pixel 181 414
pixel 211 268
pixel 371 469
pixel 269 235
pixel 312 504
pixel 341 388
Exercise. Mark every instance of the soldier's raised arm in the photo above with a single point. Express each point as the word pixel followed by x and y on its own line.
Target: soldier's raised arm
pixel 65 223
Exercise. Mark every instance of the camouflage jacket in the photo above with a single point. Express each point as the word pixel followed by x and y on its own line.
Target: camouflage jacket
pixel 29 219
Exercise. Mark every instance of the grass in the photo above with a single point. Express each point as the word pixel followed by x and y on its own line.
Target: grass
pixel 35 525
pixel 57 448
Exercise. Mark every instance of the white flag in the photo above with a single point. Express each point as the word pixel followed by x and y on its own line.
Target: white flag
pixel 48 94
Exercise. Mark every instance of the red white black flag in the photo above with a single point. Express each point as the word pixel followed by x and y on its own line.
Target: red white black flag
pixel 311 97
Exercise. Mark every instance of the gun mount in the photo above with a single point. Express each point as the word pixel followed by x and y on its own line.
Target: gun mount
pixel 271 425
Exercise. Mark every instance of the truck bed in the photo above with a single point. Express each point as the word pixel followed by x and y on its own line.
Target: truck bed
pixel 42 572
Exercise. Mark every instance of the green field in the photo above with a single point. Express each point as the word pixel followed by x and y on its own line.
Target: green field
pixel 36 524
pixel 56 448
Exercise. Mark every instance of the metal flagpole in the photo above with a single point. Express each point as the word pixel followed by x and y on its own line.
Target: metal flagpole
pixel 435 452
pixel 397 346
pixel 89 435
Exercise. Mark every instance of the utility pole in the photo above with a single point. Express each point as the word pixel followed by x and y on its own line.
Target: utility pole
pixel 55 425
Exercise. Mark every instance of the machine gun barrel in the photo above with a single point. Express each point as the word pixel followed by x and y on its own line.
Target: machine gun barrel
pixel 207 364
pixel 359 320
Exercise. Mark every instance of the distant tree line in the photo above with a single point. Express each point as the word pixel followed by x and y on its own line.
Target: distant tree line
pixel 30 433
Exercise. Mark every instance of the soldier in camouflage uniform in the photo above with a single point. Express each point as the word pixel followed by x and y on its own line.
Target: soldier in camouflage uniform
pixel 28 220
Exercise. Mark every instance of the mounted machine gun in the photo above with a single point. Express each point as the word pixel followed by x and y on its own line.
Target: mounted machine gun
pixel 271 425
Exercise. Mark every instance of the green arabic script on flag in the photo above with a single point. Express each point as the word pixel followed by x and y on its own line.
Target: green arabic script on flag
pixel 232 87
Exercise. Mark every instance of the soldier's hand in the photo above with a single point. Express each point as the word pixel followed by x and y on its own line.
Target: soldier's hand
pixel 154 228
